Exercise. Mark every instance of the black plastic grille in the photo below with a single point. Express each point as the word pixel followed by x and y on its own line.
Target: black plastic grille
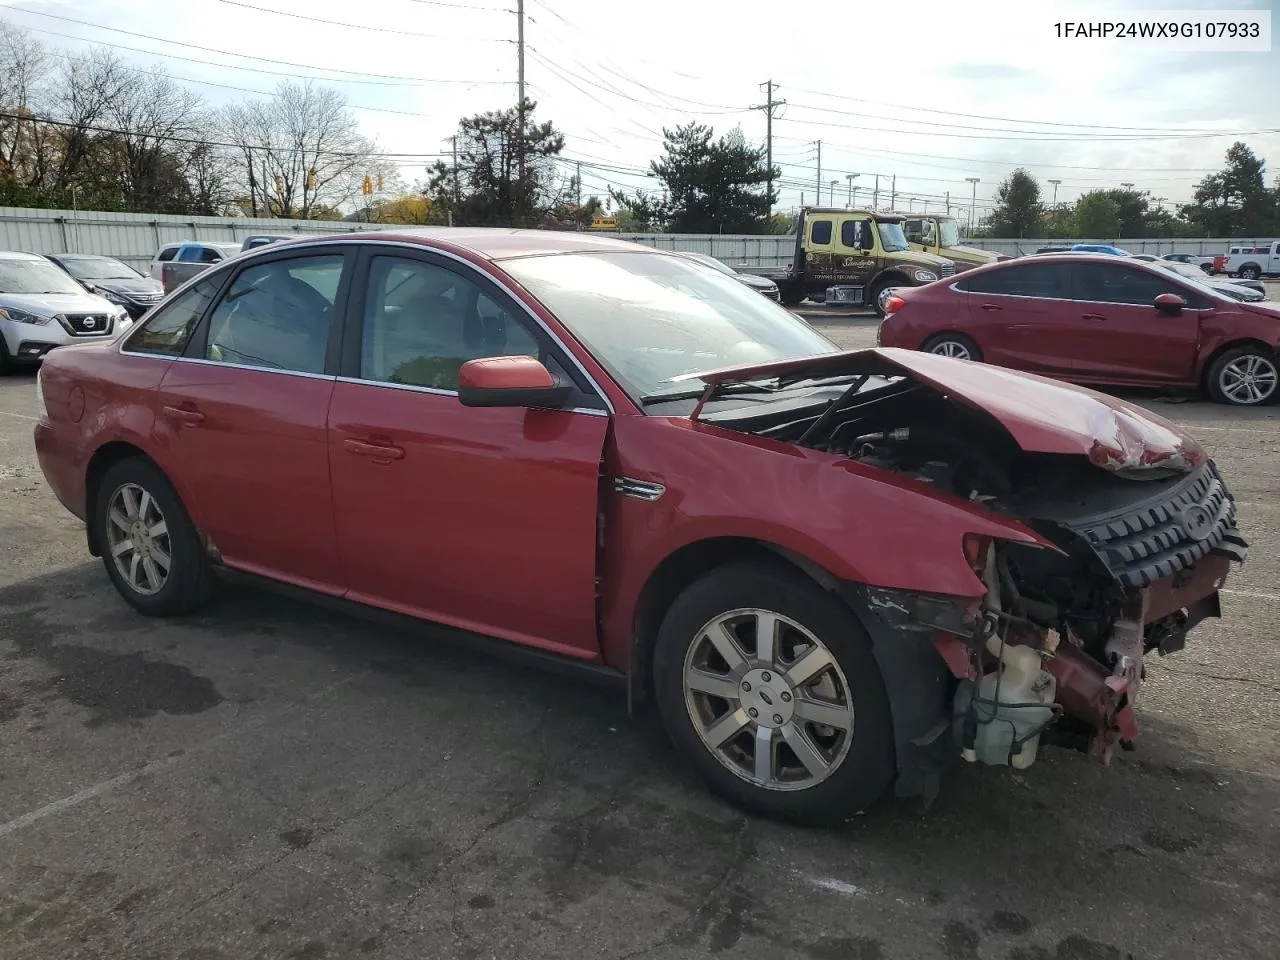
pixel 1161 538
pixel 88 324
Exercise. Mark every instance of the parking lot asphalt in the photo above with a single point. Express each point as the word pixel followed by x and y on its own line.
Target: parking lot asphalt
pixel 270 780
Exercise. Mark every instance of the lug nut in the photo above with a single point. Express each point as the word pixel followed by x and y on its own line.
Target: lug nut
pixel 766 676
pixel 753 712
pixel 745 685
pixel 777 718
pixel 786 697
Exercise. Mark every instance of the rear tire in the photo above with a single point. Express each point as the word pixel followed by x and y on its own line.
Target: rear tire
pixel 880 294
pixel 954 345
pixel 150 547
pixel 820 664
pixel 1244 377
pixel 789 296
pixel 1250 272
pixel 4 357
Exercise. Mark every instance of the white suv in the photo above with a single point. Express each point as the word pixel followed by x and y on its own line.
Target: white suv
pixel 42 307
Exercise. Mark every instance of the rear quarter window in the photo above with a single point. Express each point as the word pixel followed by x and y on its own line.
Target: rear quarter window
pixel 167 254
pixel 167 331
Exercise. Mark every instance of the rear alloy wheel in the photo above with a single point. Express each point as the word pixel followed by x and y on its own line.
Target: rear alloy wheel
pixel 954 345
pixel 150 548
pixel 880 295
pixel 1250 272
pixel 1246 377
pixel 767 683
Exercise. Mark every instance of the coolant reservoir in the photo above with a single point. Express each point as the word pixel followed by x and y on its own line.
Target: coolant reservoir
pixel 1012 707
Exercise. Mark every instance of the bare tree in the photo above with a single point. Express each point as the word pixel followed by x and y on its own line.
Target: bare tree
pixel 299 151
pixel 24 68
pixel 156 118
pixel 87 86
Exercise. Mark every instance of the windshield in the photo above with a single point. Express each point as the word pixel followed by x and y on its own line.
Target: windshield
pixel 950 232
pixel 1192 277
pixel 892 238
pixel 34 276
pixel 98 268
pixel 650 317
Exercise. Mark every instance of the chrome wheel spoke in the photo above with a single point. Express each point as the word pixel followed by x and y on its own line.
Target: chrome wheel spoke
pixel 767 627
pixel 712 684
pixel 765 759
pixel 157 530
pixel 119 519
pixel 135 564
pixel 726 728
pixel 726 645
pixel 151 573
pixel 129 500
pixel 121 548
pixel 833 715
pixel 805 751
pixel 815 660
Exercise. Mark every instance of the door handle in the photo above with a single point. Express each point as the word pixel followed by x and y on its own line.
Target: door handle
pixel 378 451
pixel 186 414
pixel 1092 316
pixel 991 306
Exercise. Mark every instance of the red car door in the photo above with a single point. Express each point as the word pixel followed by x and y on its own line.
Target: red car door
pixel 1123 337
pixel 244 414
pixel 484 519
pixel 1020 316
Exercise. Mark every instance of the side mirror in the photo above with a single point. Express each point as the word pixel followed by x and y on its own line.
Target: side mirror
pixel 1169 303
pixel 510 382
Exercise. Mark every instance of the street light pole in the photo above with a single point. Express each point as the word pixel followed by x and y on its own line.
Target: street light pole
pixel 973 202
pixel 834 183
pixel 1056 184
pixel 851 177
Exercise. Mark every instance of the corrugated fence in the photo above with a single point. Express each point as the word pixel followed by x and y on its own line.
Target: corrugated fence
pixel 135 237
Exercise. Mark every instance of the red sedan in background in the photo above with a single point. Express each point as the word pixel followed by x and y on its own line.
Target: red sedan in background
pixel 832 571
pixel 1096 320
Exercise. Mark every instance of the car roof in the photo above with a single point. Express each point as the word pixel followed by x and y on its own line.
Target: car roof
pixel 18 255
pixel 495 243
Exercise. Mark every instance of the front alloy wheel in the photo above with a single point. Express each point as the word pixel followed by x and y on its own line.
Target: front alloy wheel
pixel 1249 379
pixel 759 674
pixel 138 539
pixel 768 699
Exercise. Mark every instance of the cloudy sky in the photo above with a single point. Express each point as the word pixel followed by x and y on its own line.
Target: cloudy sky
pixel 929 92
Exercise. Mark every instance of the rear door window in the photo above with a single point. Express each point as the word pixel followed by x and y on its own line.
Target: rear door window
pixel 1046 281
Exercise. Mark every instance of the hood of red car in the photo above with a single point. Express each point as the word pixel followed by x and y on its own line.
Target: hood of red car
pixel 1042 415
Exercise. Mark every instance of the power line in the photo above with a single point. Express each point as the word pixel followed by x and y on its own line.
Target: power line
pixel 415 82
pixel 195 46
pixel 356 26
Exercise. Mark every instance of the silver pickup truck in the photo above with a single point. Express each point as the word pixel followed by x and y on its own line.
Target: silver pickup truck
pixel 176 263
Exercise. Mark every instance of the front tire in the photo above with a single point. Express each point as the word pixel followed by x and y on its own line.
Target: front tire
pixel 880 294
pixel 150 547
pixel 954 345
pixel 1244 377
pixel 768 686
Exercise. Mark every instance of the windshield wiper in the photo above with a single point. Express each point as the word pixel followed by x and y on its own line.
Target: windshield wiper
pixel 652 398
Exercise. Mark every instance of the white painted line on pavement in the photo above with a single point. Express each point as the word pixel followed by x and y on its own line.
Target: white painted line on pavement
pixel 1193 428
pixel 1255 594
pixel 19 416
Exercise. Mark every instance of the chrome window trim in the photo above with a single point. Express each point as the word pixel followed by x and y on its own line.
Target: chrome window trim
pixel 203 361
pixel 441 392
pixel 1104 303
pixel 269 249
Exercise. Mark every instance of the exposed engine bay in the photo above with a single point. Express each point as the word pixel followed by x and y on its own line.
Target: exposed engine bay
pixel 1056 646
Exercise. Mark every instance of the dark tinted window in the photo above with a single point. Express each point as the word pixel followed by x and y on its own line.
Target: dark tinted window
pixel 1116 283
pixel 277 315
pixel 167 254
pixel 210 255
pixel 856 234
pixel 820 232
pixel 422 322
pixel 169 328
pixel 1047 280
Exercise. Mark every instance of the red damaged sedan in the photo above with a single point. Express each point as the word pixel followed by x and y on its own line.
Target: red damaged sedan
pixel 833 572
pixel 1097 320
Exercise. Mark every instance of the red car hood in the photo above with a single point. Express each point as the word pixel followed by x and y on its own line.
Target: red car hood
pixel 1042 415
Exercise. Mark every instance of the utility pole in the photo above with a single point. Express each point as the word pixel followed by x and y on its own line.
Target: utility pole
pixel 520 87
pixel 455 169
pixel 578 177
pixel 819 173
pixel 851 177
pixel 893 192
pixel 875 197
pixel 974 201
pixel 768 107
pixel 948 203
pixel 1056 184
pixel 253 187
